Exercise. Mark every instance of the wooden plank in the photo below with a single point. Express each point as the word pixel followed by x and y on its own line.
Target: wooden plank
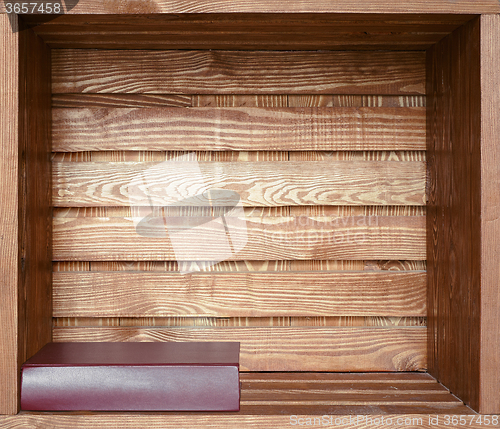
pixel 257 416
pixel 289 349
pixel 312 397
pixel 253 183
pixel 9 226
pixel 463 213
pixel 25 180
pixel 119 100
pixel 324 128
pixel 244 31
pixel 110 239
pixel 266 6
pixel 237 72
pixel 405 379
pixel 242 39
pixel 35 181
pixel 489 380
pixel 115 294
pixel 303 22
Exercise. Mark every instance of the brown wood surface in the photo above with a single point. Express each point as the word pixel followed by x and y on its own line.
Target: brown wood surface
pixel 110 239
pixel 247 31
pixel 270 410
pixel 261 184
pixel 186 321
pixel 270 40
pixel 295 6
pixel 9 227
pixel 239 128
pixel 123 294
pixel 35 181
pixel 25 182
pixel 237 72
pixel 256 416
pixel 462 226
pixel 288 348
pixel 119 100
pixel 326 100
pixel 251 212
pixel 312 396
pixel 227 100
pixel 489 377
pixel 406 380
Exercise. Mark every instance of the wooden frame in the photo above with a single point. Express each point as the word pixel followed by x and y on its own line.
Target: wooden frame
pixel 463 218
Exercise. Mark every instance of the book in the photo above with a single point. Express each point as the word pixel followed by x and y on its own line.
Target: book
pixel 132 376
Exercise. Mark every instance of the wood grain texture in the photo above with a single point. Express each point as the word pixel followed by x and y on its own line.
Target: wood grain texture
pixel 25 228
pixel 35 182
pixel 119 100
pixel 407 380
pixel 265 413
pixel 9 223
pixel 489 377
pixel 463 213
pixel 216 72
pixel 252 416
pixel 183 321
pixel 326 100
pixel 243 39
pixel 110 239
pixel 236 128
pixel 247 31
pixel 289 349
pixel 115 294
pixel 267 6
pixel 259 184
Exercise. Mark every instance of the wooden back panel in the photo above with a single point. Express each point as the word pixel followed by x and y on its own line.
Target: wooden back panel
pixel 330 168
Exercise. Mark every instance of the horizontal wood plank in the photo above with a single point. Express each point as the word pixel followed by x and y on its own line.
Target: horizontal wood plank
pixel 191 38
pixel 405 379
pixel 248 31
pixel 292 183
pixel 125 294
pixel 264 413
pixel 275 416
pixel 320 7
pixel 205 239
pixel 237 72
pixel 292 128
pixel 312 397
pixel 289 349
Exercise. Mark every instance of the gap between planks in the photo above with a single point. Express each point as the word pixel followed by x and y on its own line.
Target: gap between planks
pixel 233 100
pixel 318 321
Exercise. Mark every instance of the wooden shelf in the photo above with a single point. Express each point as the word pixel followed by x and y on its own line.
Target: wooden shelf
pixel 313 111
pixel 278 399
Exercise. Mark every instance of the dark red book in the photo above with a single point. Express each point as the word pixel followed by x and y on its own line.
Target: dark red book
pixel 198 376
